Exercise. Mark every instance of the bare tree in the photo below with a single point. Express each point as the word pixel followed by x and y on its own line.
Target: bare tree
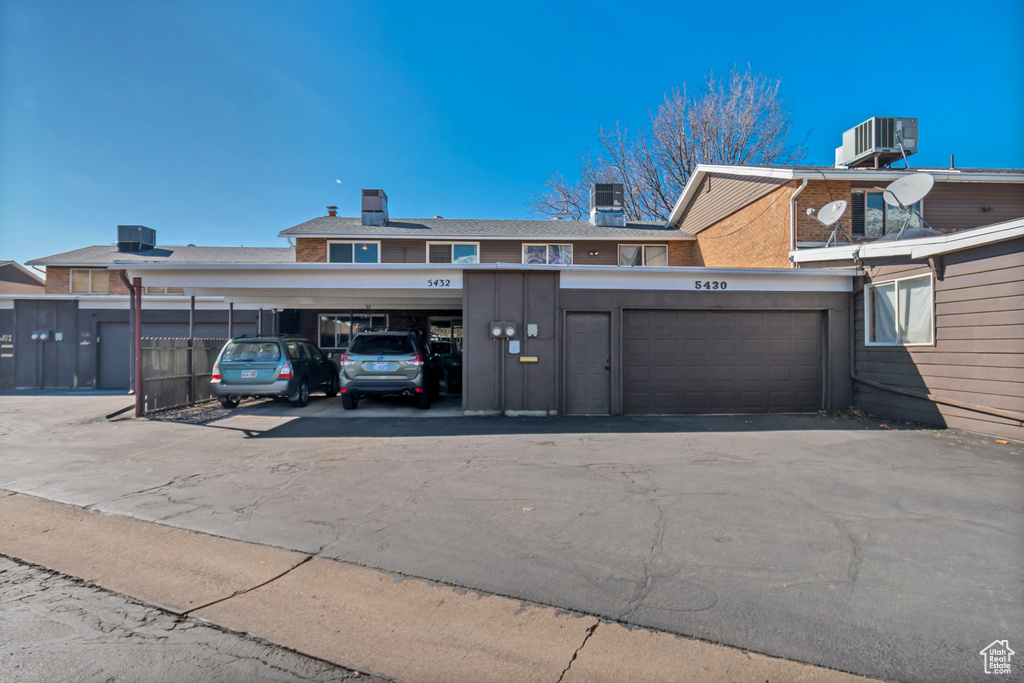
pixel 742 120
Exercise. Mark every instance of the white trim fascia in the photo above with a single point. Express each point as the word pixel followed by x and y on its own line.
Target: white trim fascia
pixel 735 279
pixel 673 235
pixel 920 248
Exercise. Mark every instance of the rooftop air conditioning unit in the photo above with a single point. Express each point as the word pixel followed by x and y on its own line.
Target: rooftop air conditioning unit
pixel 879 141
pixel 607 196
pixel 375 208
pixel 135 238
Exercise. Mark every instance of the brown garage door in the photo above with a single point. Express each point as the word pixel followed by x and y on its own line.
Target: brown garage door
pixel 721 361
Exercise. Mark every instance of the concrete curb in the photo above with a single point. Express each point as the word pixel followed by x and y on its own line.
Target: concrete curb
pixel 359 618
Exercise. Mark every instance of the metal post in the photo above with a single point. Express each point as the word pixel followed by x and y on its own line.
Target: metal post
pixel 190 360
pixel 259 322
pixel 139 401
pixel 231 320
pixel 131 328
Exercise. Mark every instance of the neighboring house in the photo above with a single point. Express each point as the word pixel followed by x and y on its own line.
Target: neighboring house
pixel 84 311
pixel 939 326
pixel 17 279
pixel 754 216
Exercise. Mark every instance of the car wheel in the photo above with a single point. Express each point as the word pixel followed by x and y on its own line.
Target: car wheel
pixel 301 397
pixel 229 402
pixel 347 402
pixel 332 387
pixel 423 401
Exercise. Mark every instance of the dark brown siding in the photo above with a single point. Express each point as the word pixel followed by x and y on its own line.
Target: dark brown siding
pixel 978 355
pixel 951 207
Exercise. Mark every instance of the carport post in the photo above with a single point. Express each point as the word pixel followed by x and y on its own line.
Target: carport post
pixel 231 320
pixel 259 322
pixel 139 402
pixel 190 360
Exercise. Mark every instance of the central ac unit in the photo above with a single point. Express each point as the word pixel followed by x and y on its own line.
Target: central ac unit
pixel 879 141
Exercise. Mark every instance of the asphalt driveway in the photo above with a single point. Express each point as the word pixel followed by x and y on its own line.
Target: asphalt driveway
pixel 877 548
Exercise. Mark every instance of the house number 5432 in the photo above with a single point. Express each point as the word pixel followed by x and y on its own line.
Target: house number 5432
pixel 439 283
pixel 711 284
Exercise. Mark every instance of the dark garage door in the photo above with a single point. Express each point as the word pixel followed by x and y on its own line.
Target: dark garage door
pixel 721 361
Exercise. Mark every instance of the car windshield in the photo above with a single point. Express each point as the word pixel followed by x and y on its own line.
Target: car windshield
pixel 380 345
pixel 252 351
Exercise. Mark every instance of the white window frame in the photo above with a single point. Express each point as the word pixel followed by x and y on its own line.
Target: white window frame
pixel 327 255
pixel 426 255
pixel 572 250
pixel 91 271
pixel 869 313
pixel 643 256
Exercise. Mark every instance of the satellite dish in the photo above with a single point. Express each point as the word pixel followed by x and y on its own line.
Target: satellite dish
pixel 828 216
pixel 908 190
pixel 830 213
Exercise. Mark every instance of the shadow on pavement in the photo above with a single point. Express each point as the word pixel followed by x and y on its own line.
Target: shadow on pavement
pixel 321 427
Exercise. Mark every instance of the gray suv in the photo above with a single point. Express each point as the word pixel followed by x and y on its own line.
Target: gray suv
pixel 388 363
pixel 286 365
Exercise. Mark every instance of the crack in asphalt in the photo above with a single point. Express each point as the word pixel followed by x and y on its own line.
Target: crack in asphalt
pixel 251 588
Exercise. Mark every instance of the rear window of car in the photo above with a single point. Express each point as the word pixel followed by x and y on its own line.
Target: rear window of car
pixel 252 351
pixel 380 345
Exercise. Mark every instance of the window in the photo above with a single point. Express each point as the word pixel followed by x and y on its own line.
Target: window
pixel 353 252
pixel 872 217
pixel 438 252
pixel 92 281
pixel 553 254
pixel 165 290
pixel 643 255
pixel 899 312
pixel 337 329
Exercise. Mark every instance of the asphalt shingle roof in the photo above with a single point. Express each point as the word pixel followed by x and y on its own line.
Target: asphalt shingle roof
pixel 103 255
pixel 438 228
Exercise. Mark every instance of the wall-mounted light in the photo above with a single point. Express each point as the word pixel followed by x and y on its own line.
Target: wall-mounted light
pixel 594 253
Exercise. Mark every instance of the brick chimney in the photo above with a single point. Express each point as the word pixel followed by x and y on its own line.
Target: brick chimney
pixel 332 211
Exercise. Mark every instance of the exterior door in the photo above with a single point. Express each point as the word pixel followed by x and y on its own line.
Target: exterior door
pixel 114 356
pixel 588 366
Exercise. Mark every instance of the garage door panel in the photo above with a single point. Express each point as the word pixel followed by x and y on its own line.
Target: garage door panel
pixel 721 361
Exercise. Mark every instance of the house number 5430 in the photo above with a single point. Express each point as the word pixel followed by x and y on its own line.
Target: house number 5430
pixel 711 284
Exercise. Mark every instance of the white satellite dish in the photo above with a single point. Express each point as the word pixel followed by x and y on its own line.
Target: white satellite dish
pixel 906 192
pixel 829 216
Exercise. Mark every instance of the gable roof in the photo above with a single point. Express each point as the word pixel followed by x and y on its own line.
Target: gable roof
pixel 104 255
pixel 24 272
pixel 772 176
pixel 344 227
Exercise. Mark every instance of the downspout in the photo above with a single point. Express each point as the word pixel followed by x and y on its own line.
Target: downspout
pixel 792 218
pixel 131 326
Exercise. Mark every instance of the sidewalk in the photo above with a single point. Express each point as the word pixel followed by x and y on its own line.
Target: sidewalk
pixel 363 619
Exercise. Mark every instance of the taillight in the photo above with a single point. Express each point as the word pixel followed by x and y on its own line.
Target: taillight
pixel 286 371
pixel 216 373
pixel 347 359
pixel 415 359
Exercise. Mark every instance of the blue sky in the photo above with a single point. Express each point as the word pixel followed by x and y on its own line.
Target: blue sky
pixel 222 123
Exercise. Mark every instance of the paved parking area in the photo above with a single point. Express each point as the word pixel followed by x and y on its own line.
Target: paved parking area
pixel 877 548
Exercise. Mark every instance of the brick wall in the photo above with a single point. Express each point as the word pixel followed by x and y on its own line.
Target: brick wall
pixel 817 194
pixel 756 236
pixel 310 250
pixel 682 253
pixel 116 286
pixel 58 280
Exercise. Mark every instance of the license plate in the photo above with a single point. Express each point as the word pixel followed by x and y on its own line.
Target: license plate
pixel 248 374
pixel 381 366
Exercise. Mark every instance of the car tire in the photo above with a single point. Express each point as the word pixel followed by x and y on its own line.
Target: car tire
pixel 301 397
pixel 347 402
pixel 230 402
pixel 423 401
pixel 332 387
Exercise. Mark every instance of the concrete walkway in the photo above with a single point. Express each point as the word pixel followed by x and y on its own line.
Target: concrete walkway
pixel 365 620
